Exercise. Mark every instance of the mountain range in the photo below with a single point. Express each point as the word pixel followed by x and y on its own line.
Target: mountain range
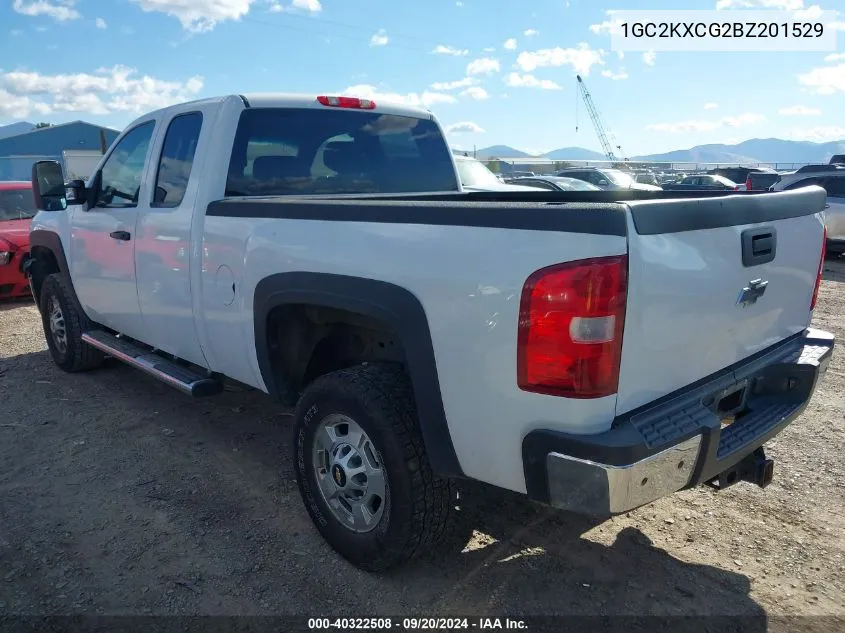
pixel 758 150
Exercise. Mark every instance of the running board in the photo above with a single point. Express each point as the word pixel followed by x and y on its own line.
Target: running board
pixel 187 380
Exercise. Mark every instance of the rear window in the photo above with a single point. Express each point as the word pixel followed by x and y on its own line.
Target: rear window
pixel 299 151
pixel 17 204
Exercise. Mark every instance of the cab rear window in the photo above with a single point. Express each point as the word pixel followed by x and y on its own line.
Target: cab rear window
pixel 303 151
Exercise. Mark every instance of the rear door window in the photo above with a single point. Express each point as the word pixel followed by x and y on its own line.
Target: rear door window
pixel 302 151
pixel 177 158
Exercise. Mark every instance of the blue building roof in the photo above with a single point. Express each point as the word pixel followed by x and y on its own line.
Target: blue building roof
pixel 51 141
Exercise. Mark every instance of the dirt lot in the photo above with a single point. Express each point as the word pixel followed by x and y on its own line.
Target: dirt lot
pixel 120 496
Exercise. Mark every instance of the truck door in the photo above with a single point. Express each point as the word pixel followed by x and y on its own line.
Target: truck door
pixel 164 258
pixel 103 240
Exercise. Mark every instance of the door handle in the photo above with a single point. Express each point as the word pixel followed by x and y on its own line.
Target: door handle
pixel 120 235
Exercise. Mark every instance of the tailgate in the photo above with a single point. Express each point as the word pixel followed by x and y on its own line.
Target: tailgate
pixel 693 305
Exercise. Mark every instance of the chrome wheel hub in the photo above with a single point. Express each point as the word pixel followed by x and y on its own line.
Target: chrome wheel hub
pixel 57 325
pixel 350 473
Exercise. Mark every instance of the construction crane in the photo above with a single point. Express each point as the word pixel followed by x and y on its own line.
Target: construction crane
pixel 606 144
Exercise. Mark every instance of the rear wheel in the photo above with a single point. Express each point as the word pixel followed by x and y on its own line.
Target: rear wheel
pixel 362 468
pixel 63 327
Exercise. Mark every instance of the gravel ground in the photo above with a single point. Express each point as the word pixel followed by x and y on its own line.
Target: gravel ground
pixel 121 496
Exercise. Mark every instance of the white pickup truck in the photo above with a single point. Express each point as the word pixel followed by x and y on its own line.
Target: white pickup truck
pixel 593 350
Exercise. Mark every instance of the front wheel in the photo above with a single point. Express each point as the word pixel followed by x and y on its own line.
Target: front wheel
pixel 63 327
pixel 362 469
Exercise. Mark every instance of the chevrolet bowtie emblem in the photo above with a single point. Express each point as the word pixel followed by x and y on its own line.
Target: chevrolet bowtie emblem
pixel 753 291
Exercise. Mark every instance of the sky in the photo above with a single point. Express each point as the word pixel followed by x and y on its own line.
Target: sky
pixel 492 71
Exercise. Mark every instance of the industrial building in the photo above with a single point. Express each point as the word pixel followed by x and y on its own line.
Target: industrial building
pixel 19 151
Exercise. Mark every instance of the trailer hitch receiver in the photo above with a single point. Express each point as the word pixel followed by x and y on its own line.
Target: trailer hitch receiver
pixel 755 469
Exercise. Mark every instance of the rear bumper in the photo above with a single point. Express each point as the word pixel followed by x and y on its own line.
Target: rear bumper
pixel 678 441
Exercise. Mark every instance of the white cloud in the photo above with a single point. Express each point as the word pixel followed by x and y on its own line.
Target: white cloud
pixel 475 92
pixel 60 10
pixel 464 127
pixel 451 85
pixel 711 105
pixel 620 54
pixel 702 125
pixel 799 110
pixel 510 44
pixel 425 99
pixel 483 66
pixel 442 49
pixel 16 32
pixel 782 5
pixel 515 80
pixel 379 38
pixel 198 16
pixel 311 6
pixel 530 32
pixel 459 3
pixel 835 57
pixel 649 58
pixel 612 26
pixel 582 58
pixel 820 133
pixel 107 90
pixel 615 76
pixel 101 23
pixel 826 80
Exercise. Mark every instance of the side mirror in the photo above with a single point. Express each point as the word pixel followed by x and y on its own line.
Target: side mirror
pixel 48 185
pixel 603 183
pixel 160 195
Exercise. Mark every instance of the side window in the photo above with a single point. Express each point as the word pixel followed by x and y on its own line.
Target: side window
pixel 122 171
pixel 177 158
pixel 835 186
pixel 806 182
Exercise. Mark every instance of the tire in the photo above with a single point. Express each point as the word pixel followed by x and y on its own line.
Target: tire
pixel 68 352
pixel 418 508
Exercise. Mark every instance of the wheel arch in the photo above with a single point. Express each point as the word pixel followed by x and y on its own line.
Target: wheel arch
pixel 47 256
pixel 394 306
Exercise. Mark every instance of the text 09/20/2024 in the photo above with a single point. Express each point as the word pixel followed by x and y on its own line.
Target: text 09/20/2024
pixel 417 624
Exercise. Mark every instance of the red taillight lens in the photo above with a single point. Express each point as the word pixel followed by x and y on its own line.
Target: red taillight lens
pixel 748 184
pixel 571 319
pixel 347 102
pixel 821 271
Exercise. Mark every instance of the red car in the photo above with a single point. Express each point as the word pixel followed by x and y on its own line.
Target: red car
pixel 17 207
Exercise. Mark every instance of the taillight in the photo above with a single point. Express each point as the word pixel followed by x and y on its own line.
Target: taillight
pixel 821 271
pixel 347 102
pixel 748 184
pixel 571 318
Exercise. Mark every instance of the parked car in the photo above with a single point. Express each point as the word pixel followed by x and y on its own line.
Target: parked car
pixel 17 207
pixel 646 178
pixel 739 174
pixel 476 176
pixel 606 179
pixel 831 178
pixel 555 183
pixel 761 180
pixel 837 159
pixel 426 334
pixel 703 182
